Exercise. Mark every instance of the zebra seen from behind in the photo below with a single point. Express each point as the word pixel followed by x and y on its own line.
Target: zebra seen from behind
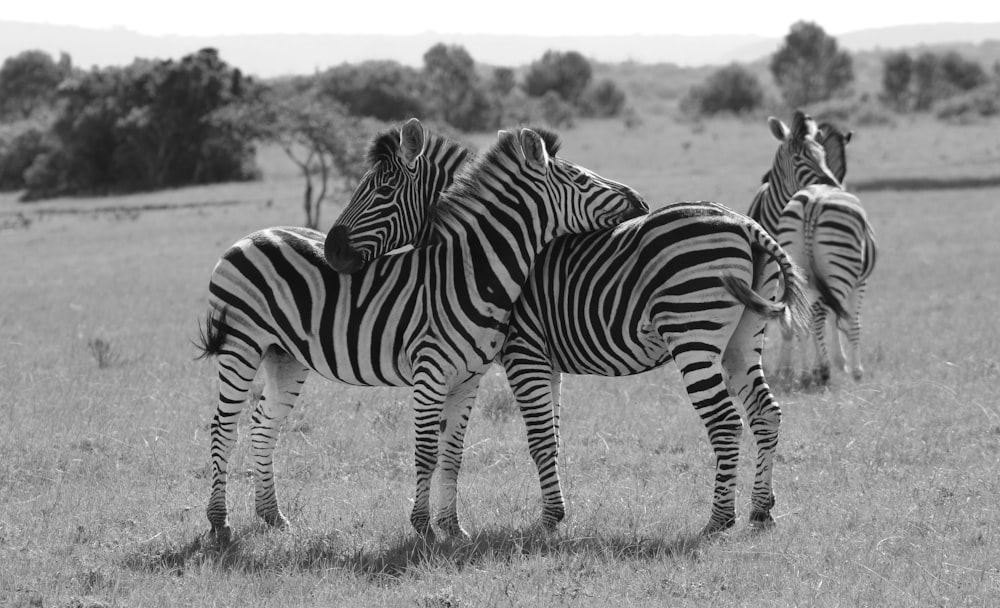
pixel 433 317
pixel 826 231
pixel 675 284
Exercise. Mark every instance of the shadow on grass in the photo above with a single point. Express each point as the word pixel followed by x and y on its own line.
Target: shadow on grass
pixel 251 554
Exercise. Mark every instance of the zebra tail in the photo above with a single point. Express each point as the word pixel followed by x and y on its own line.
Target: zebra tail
pixel 750 298
pixel 212 335
pixel 794 302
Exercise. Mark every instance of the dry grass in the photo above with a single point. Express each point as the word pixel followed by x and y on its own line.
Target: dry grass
pixel 886 489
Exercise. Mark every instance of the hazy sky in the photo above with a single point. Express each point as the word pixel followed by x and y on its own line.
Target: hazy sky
pixel 534 17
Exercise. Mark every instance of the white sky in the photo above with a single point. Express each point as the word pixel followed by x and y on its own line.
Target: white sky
pixel 533 17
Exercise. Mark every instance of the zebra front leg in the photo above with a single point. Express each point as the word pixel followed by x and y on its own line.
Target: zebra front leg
pixel 283 380
pixel 428 397
pixel 236 373
pixel 454 420
pixel 706 387
pixel 537 389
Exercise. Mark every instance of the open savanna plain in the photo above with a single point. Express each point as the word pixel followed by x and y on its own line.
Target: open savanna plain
pixel 887 489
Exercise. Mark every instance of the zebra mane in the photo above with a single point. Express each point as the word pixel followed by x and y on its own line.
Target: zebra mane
pixel 463 191
pixel 384 147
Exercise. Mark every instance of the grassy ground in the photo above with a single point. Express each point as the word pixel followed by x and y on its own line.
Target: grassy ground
pixel 886 488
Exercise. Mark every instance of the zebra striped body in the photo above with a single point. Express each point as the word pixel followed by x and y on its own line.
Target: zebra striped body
pixel 628 300
pixel 408 319
pixel 827 230
pixel 674 284
pixel 773 208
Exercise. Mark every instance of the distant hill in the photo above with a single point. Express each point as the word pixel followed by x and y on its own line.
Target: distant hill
pixel 279 54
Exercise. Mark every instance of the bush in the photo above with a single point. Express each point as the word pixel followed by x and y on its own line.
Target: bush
pixel 20 143
pixel 602 100
pixel 731 89
pixel 385 90
pixel 565 74
pixel 972 106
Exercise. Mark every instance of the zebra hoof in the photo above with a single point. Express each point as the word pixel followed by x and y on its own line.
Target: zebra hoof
pixel 717 526
pixel 858 374
pixel 452 529
pixel 760 521
pixel 276 520
pixel 221 534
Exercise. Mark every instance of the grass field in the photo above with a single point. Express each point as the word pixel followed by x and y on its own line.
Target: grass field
pixel 887 489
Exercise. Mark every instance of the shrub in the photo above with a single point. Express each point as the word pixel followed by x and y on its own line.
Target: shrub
pixel 730 89
pixel 602 100
pixel 20 143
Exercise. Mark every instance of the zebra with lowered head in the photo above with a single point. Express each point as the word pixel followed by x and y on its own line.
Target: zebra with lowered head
pixel 433 317
pixel 677 284
pixel 825 229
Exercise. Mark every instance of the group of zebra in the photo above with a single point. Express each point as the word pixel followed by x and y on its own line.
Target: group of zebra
pixel 524 257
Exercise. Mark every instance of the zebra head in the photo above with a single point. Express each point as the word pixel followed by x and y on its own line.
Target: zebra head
pixel 834 141
pixel 409 170
pixel 800 160
pixel 591 202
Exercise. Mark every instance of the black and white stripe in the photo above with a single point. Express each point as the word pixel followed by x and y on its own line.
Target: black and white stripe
pixel 433 317
pixel 676 284
pixel 803 204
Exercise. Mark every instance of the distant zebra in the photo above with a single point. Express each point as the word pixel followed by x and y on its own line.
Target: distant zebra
pixel 675 284
pixel 433 317
pixel 827 231
pixel 846 260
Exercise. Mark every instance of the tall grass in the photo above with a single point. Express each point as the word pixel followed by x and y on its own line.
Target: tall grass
pixel 886 488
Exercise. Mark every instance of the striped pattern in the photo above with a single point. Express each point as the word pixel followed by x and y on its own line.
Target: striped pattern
pixel 407 319
pixel 827 231
pixel 799 161
pixel 676 284
pixel 809 168
pixel 672 285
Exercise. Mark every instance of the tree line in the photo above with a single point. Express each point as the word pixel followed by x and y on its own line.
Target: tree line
pixel 810 67
pixel 168 123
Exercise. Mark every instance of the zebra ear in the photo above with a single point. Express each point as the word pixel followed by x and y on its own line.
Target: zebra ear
pixel 778 128
pixel 411 142
pixel 534 150
pixel 847 137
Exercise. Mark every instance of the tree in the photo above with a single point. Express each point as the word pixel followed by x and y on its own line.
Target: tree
pixel 385 90
pixel 897 72
pixel 148 125
pixel 809 67
pixel 730 89
pixel 30 80
pixel 567 74
pixel 454 87
pixel 317 135
pixel 602 100
pixel 926 81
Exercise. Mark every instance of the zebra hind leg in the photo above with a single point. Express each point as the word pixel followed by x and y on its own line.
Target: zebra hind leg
pixel 706 387
pixel 236 374
pixel 853 330
pixel 283 380
pixel 821 369
pixel 742 360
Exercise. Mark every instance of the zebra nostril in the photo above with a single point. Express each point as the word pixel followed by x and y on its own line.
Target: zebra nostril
pixel 339 253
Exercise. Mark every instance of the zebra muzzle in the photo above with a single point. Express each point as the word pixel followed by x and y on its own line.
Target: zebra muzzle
pixel 339 253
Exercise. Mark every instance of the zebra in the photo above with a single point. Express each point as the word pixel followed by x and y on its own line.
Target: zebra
pixel 432 318
pixel 671 285
pixel 827 230
pixel 814 155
